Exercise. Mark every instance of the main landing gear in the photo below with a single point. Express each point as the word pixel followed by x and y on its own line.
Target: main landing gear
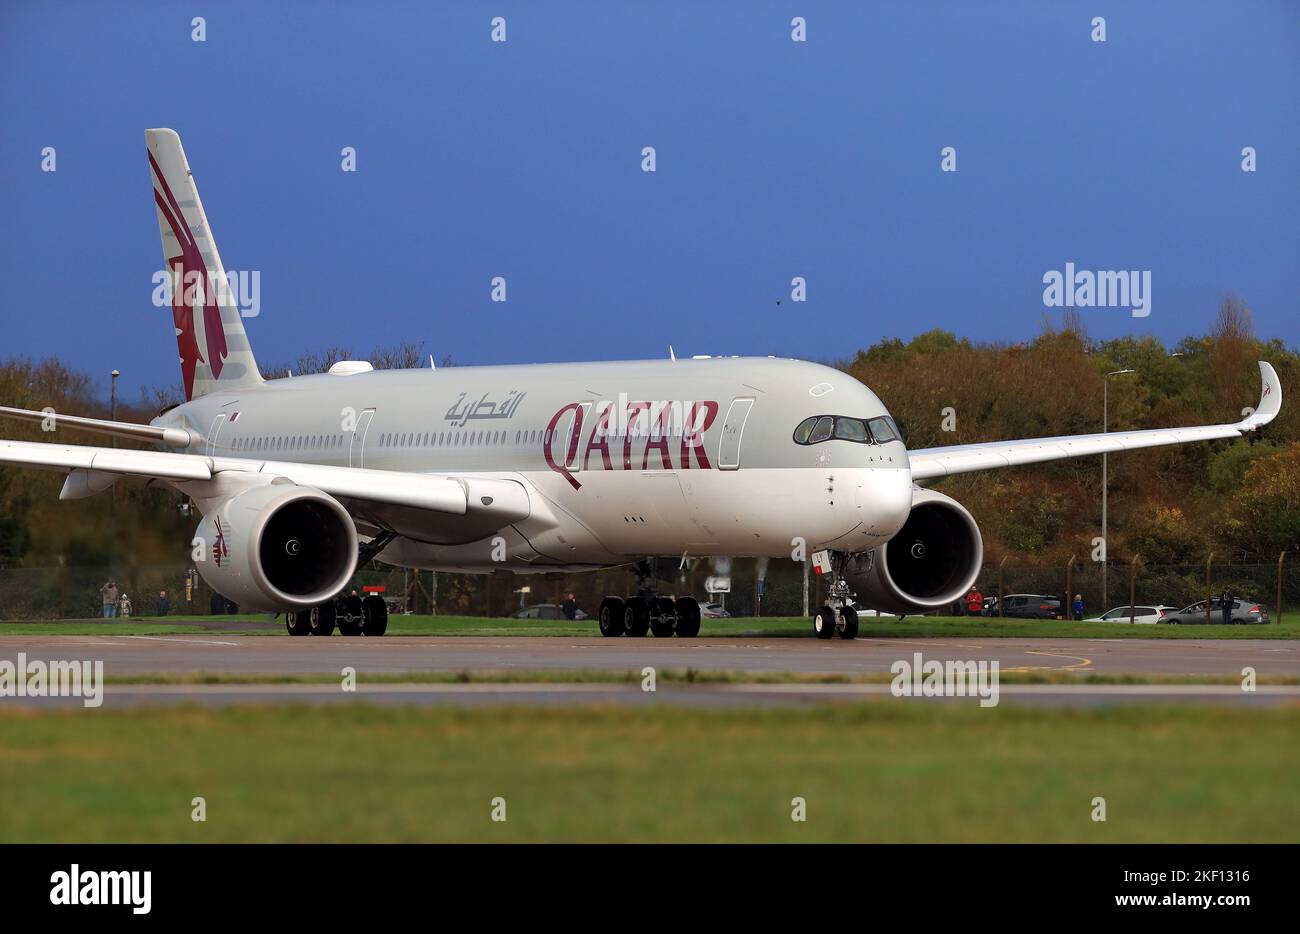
pixel 837 617
pixel 353 615
pixel 648 612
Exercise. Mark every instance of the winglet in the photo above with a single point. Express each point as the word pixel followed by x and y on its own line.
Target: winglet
pixel 1270 399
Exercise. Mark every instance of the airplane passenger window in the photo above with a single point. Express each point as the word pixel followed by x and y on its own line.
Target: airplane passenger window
pixel 822 430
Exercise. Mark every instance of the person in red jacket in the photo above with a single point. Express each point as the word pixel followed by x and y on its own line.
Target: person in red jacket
pixel 974 602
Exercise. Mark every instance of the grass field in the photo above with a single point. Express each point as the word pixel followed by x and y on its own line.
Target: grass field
pixel 778 626
pixel 874 772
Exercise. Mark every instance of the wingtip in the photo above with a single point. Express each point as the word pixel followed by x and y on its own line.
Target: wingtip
pixel 1270 398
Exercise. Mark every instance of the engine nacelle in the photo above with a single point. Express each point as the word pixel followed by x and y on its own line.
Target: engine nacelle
pixel 931 563
pixel 278 547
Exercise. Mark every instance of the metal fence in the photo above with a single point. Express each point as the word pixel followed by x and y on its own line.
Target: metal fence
pixel 74 592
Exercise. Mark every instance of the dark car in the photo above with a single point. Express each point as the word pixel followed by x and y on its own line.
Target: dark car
pixel 1029 606
pixel 1244 612
pixel 545 611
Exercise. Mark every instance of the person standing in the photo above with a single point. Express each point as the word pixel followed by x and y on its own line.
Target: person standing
pixel 124 608
pixel 108 595
pixel 975 602
pixel 1076 607
pixel 1226 604
pixel 569 607
pixel 164 605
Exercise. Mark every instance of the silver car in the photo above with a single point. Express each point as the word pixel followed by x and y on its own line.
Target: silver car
pixel 1243 612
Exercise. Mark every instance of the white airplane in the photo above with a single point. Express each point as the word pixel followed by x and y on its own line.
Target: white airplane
pixel 538 468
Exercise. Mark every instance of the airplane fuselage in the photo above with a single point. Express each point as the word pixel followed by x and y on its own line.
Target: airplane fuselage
pixel 619 460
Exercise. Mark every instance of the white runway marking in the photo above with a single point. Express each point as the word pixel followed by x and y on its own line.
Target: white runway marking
pixel 183 641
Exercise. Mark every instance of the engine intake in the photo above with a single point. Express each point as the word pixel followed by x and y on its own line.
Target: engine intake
pixel 932 561
pixel 278 547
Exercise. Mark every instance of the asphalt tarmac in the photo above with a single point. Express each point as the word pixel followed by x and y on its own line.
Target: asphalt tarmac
pixel 260 655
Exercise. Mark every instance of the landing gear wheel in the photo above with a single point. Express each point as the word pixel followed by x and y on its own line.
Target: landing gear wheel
pixel 348 610
pixel 374 616
pixel 321 619
pixel 611 617
pixel 298 624
pixel 636 616
pixel 850 628
pixel 663 617
pixel 688 617
pixel 824 623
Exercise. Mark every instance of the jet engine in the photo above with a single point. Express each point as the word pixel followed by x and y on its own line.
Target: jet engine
pixel 932 561
pixel 277 547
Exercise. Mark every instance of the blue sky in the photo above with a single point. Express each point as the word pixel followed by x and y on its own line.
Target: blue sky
pixel 522 159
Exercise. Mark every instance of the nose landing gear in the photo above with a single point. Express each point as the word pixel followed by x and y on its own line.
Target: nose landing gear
pixel 837 617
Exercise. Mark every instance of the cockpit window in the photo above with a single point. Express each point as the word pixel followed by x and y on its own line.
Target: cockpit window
pixel 882 430
pixel 851 429
pixel 805 427
pixel 818 428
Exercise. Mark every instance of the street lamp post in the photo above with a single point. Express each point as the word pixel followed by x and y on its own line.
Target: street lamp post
pixel 112 496
pixel 1105 542
pixel 113 405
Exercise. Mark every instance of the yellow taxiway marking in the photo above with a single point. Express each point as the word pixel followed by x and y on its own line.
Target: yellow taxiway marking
pixel 931 645
pixel 1081 663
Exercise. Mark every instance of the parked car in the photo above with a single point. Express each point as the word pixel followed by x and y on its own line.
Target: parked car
pixel 713 611
pixel 545 611
pixel 1138 614
pixel 1029 606
pixel 1246 612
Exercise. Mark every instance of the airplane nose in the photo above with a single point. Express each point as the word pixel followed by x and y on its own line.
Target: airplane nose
pixel 884 501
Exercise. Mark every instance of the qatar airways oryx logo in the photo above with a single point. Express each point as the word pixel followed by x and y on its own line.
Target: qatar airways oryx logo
pixel 220 550
pixel 640 431
pixel 80 886
pixel 1083 288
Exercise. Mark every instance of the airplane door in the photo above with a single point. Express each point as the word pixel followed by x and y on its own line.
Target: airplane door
pixel 733 429
pixel 215 430
pixel 356 453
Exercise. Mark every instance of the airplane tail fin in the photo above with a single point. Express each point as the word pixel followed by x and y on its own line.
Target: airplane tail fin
pixel 214 349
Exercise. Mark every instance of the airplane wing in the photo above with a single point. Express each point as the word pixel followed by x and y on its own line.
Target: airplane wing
pixel 932 463
pixel 96 468
pixel 172 437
